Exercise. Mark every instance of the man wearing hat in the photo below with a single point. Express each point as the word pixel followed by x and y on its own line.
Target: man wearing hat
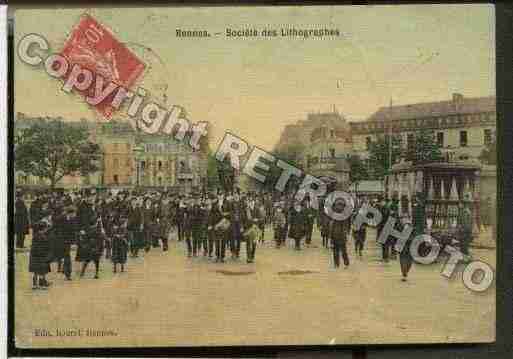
pixel 91 246
pixel 419 228
pixel 134 227
pixel 21 220
pixel 338 232
pixel 180 217
pixel 167 214
pixel 237 213
pixel 297 222
pixel 309 220
pixel 198 221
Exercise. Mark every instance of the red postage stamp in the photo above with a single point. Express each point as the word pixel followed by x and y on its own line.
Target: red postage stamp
pixel 94 47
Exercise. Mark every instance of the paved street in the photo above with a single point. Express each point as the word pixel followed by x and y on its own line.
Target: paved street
pixel 286 298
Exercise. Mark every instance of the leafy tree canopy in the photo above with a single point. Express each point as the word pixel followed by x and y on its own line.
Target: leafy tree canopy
pixel 54 149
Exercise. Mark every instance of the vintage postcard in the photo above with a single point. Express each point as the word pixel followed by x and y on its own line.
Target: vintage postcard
pixel 230 176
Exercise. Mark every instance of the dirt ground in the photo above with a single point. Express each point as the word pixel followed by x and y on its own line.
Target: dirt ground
pixel 285 298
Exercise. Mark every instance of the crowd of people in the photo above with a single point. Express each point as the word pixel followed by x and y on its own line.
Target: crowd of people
pixel 116 226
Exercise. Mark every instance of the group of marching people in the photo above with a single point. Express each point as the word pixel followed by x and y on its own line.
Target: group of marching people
pixel 116 226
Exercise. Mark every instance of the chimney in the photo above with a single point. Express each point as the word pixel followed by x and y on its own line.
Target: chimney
pixel 456 97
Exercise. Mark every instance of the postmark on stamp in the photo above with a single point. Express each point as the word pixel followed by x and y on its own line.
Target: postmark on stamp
pixel 93 47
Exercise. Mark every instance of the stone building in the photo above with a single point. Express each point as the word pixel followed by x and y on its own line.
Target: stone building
pixel 117 141
pixel 326 140
pixel 463 126
pixel 134 158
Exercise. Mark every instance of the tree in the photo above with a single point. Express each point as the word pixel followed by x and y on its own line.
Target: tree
pixel 489 154
pixel 424 149
pixel 379 156
pixel 54 149
pixel 358 171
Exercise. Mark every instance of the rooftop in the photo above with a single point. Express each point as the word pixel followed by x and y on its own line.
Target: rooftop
pixel 458 105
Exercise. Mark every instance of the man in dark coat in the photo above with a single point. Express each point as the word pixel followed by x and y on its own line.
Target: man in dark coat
pixel 148 223
pixel 279 222
pixel 198 219
pixel 359 236
pixel 384 208
pixel 237 213
pixel 338 232
pixel 70 234
pixel 419 227
pixel 181 209
pixel 166 219
pixel 205 207
pixel 309 220
pixel 119 245
pixel 90 247
pixel 297 224
pixel 21 220
pixel 156 225
pixel 323 222
pixel 134 227
pixel 222 234
pixel 214 217
pixel 186 225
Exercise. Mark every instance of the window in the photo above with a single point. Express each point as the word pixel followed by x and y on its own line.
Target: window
pixel 488 137
pixel 160 165
pixel 116 179
pixel 440 139
pixel 21 179
pixel 332 152
pixel 463 138
pixel 143 165
pixel 410 140
pixel 332 133
pixel 368 142
pixel 116 163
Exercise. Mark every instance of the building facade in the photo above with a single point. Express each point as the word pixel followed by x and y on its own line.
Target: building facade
pixel 463 127
pixel 134 158
pixel 327 144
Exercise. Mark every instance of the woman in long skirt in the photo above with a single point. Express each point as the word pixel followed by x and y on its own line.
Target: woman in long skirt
pixel 40 256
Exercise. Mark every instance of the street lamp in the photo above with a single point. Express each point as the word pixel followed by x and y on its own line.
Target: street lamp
pixel 137 150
